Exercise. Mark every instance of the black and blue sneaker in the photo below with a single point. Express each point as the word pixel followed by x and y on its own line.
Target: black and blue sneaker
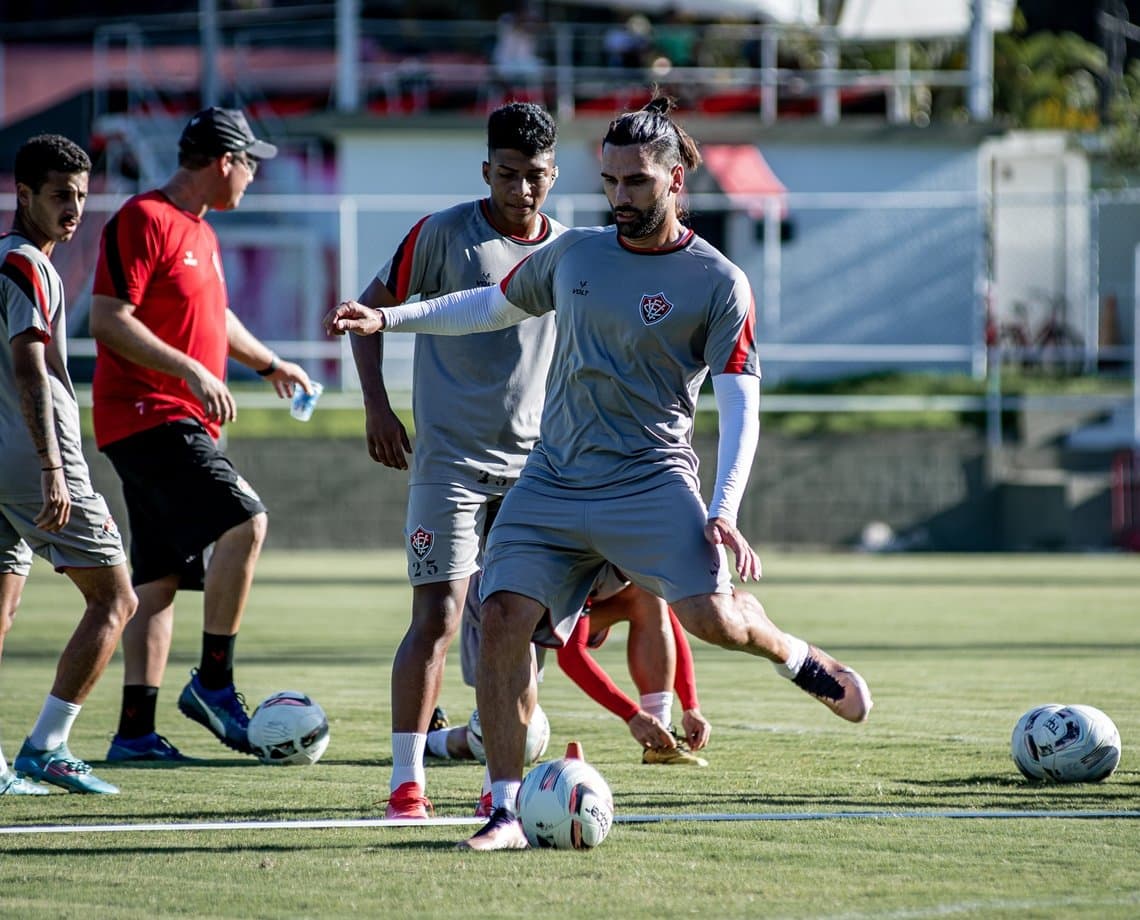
pixel 222 711
pixel 152 748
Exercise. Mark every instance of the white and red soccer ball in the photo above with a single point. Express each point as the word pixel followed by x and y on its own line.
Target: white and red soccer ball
pixel 565 804
pixel 1065 744
pixel 288 728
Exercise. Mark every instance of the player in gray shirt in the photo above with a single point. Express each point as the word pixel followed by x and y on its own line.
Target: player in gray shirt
pixel 47 504
pixel 645 311
pixel 477 401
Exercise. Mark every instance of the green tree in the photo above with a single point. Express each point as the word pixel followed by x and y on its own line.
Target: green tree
pixel 1047 80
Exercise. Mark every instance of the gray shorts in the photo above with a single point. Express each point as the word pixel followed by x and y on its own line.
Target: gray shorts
pixel 445 530
pixel 552 549
pixel 15 556
pixel 90 539
pixel 470 632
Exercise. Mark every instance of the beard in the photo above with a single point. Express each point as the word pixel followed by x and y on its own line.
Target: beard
pixel 645 223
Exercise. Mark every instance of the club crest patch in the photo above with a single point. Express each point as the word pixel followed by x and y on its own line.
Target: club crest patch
pixel 421 541
pixel 654 307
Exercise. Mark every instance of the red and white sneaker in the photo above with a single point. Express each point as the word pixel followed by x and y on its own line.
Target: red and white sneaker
pixel 502 832
pixel 409 803
pixel 484 808
pixel 837 686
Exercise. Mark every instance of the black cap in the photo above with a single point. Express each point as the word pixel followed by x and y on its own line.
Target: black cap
pixel 215 131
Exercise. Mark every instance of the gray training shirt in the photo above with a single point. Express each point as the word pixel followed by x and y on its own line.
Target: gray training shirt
pixel 638 332
pixel 477 399
pixel 31 299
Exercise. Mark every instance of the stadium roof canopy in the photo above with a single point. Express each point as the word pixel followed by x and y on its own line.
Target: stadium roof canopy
pixel 891 19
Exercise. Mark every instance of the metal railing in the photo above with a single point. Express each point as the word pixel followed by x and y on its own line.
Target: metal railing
pixel 401 67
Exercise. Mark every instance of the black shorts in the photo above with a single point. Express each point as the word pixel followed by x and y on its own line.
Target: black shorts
pixel 181 493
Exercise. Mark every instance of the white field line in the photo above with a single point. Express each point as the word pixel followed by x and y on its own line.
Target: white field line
pixel 618 819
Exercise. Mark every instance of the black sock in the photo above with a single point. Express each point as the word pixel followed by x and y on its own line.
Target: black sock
pixel 136 718
pixel 216 669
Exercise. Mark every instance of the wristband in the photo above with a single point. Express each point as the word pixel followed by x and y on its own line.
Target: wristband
pixel 50 469
pixel 273 365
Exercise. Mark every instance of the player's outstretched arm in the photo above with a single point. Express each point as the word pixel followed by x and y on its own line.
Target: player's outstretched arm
pixel 353 316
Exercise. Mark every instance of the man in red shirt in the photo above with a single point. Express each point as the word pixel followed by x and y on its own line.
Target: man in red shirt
pixel 161 316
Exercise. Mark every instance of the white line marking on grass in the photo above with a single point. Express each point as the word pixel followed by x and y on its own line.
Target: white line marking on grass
pixel 618 819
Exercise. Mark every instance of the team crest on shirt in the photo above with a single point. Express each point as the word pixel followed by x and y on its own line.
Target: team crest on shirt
pixel 654 307
pixel 421 541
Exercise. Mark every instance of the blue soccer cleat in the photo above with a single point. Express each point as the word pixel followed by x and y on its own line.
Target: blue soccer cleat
pixel 60 768
pixel 11 784
pixel 152 748
pixel 221 711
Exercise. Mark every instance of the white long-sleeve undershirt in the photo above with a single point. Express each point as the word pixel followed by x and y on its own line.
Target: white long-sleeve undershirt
pixel 738 408
pixel 459 313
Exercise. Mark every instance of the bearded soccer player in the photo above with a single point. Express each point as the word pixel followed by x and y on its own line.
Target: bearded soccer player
pixel 645 310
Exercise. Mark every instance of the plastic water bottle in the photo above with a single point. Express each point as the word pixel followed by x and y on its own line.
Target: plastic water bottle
pixel 304 403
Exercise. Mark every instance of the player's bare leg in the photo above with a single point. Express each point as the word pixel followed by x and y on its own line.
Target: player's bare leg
pixel 146 640
pixel 738 621
pixel 505 693
pixel 417 675
pixel 11 589
pixel 110 604
pixel 229 576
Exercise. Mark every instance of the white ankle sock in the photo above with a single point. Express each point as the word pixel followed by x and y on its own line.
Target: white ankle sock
pixel 659 705
pixel 53 726
pixel 797 654
pixel 437 743
pixel 505 794
pixel 408 759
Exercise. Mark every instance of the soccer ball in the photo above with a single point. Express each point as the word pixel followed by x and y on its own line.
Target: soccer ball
pixel 537 736
pixel 288 728
pixel 1065 744
pixel 566 805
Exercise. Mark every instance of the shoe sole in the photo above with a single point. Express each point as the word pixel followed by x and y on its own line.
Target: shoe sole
pixel 485 845
pixel 62 783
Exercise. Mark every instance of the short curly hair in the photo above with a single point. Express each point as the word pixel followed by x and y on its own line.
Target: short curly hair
pixel 46 153
pixel 521 126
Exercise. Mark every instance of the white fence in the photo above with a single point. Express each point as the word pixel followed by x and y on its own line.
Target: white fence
pixel 289 258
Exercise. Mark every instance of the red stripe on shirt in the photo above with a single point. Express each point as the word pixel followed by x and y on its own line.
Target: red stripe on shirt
pixel 507 280
pixel 745 344
pixel 402 267
pixel 27 268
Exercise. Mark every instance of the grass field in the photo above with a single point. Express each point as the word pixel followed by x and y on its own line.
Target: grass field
pixel 954 648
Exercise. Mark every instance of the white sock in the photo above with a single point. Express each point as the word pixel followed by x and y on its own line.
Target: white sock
pixel 3 763
pixel 437 743
pixel 53 726
pixel 486 782
pixel 797 655
pixel 505 794
pixel 408 759
pixel 659 705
